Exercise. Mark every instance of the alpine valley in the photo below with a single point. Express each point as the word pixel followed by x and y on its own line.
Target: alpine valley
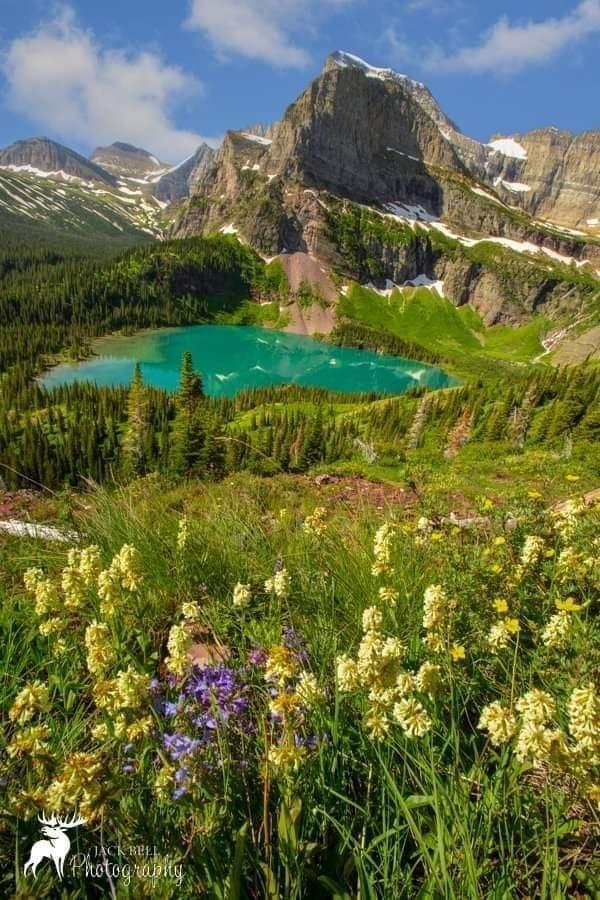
pixel 304 614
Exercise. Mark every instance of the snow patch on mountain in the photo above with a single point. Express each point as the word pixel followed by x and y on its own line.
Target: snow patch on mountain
pixel 426 282
pixel 516 187
pixel 509 147
pixel 257 138
pixel 350 61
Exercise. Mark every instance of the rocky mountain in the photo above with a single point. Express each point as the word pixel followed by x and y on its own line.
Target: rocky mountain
pixel 41 156
pixel 126 161
pixel 552 174
pixel 44 185
pixel 366 174
pixel 179 182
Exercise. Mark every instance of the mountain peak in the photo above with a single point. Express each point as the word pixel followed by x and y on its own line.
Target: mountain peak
pixel 129 148
pixel 128 161
pixel 346 60
pixel 179 181
pixel 43 155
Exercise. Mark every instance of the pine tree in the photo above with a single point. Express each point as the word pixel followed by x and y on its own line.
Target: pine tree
pixel 188 428
pixel 134 442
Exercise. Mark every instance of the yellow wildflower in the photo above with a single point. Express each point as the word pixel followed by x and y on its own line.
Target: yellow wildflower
pixel 388 595
pixel 308 689
pixel 536 706
pixel 500 605
pixel 556 633
pixel 191 611
pixel 241 595
pixel 457 652
pixel 315 523
pixel 382 549
pixel 182 533
pixel 347 674
pixel 279 584
pixel 498 636
pixel 51 626
pixel 281 665
pixel 568 605
pixel 285 704
pixel 499 722
pixel 428 679
pixel 512 626
pixel 534 741
pixel 412 717
pixel 31 700
pixel 532 550
pixel 377 722
pixel 100 652
pixel 178 646
pixel 437 608
pixel 287 756
pixel 31 741
pixel 372 619
pixel 584 722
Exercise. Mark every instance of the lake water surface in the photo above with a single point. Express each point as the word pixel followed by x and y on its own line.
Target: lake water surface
pixel 232 358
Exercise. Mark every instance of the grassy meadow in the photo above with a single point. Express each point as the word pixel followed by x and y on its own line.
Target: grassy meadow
pixel 289 693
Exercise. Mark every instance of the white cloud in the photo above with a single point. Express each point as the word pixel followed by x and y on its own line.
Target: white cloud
pixel 63 81
pixel 507 48
pixel 260 29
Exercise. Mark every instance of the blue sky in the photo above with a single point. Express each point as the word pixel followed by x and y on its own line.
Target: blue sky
pixel 165 76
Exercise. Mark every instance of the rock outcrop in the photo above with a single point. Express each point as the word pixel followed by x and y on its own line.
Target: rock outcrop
pixel 179 182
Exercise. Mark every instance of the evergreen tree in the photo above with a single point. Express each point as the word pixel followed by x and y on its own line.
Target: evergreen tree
pixel 134 442
pixel 188 438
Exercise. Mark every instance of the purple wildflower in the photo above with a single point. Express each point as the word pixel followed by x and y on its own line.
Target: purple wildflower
pixel 180 746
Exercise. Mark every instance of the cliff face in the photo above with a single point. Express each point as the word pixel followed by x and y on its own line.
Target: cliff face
pixel 363 137
pixel 380 141
pixel 556 179
pixel 44 155
pixel 179 182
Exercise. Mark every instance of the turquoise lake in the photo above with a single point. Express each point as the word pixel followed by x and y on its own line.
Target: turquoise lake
pixel 232 358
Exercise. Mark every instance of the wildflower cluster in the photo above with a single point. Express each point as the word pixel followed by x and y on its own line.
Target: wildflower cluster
pixel 390 689
pixel 504 629
pixel 538 740
pixel 315 524
pixel 124 700
pixel 31 700
pixel 100 653
pixel 279 585
pixel 79 575
pixel 123 577
pixel 183 533
pixel 210 707
pixel 55 605
pixel 438 610
pixel 178 645
pixel 78 786
pixel 242 595
pixel 382 549
pixel 565 518
pixel 294 694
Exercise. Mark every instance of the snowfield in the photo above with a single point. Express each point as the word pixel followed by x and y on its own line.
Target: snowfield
pixel 509 147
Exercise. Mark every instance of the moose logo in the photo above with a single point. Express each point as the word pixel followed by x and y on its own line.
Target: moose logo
pixel 55 847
